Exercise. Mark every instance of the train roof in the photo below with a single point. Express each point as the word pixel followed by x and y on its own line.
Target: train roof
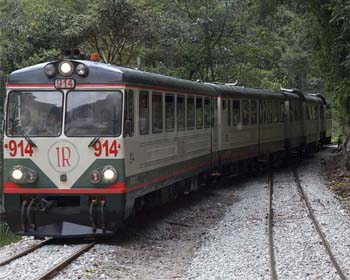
pixel 107 73
pixel 238 91
pixel 101 73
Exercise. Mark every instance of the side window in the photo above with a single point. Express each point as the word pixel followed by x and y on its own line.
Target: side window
pixel 245 112
pixel 157 113
pixel 253 112
pixel 190 112
pixel 236 112
pixel 291 111
pixel 229 112
pixel 296 111
pixel 269 111
pixel 129 113
pixel 214 110
pixel 282 112
pixel 181 112
pixel 169 112
pixel 276 114
pixel 144 113
pixel 199 112
pixel 206 112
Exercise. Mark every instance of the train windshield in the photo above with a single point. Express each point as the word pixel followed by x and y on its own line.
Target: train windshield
pixel 93 113
pixel 34 113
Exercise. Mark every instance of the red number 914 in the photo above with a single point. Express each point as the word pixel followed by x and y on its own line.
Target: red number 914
pixel 19 149
pixel 107 148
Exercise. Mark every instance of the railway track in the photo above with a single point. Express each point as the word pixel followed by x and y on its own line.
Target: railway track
pixel 25 252
pixel 312 217
pixel 65 262
pixel 56 268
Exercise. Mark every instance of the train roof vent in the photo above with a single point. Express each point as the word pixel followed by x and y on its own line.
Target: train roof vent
pixel 293 90
pixel 319 95
pixel 232 84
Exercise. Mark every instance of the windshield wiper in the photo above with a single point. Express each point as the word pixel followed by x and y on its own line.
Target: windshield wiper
pixel 25 135
pixel 94 141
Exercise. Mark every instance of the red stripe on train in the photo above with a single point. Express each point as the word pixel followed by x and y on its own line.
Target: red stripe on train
pixel 117 188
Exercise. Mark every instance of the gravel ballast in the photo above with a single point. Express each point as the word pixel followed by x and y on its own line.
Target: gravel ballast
pixel 36 263
pixel 333 218
pixel 237 247
pixel 299 252
pixel 218 233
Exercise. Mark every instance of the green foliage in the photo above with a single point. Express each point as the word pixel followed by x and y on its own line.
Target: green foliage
pixel 264 43
pixel 7 237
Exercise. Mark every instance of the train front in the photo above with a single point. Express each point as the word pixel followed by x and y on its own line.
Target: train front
pixel 63 150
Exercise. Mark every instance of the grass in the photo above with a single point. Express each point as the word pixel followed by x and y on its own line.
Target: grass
pixel 6 236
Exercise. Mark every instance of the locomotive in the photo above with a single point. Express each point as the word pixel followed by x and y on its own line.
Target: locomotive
pixel 87 143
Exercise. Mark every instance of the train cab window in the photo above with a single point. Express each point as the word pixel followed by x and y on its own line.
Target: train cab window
pixel 93 113
pixel 245 112
pixel 190 113
pixel 34 113
pixel 181 111
pixel 236 112
pixel 253 112
pixel 157 113
pixel 144 113
pixel 129 114
pixel 229 112
pixel 169 112
pixel 199 112
pixel 206 112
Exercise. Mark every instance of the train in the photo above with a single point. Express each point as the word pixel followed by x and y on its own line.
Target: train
pixel 86 144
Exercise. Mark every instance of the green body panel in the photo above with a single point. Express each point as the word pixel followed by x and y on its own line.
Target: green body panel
pixel 99 164
pixel 43 180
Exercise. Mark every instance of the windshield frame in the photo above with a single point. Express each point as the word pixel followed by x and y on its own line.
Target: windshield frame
pixel 116 91
pixel 7 120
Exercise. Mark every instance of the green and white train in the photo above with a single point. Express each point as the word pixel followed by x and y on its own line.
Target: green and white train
pixel 87 143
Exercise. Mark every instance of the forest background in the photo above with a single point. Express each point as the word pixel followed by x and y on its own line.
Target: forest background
pixel 259 43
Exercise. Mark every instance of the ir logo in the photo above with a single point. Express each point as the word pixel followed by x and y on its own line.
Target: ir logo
pixel 63 156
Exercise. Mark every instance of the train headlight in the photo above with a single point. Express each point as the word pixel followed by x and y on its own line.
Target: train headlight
pixel 81 69
pixel 22 174
pixel 17 174
pixel 50 70
pixel 95 177
pixel 30 176
pixel 65 68
pixel 109 174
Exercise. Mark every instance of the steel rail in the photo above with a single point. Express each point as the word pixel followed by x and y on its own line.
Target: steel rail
pixel 270 230
pixel 26 252
pixel 317 225
pixel 66 261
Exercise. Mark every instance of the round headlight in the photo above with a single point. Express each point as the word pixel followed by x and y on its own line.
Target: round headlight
pixel 17 174
pixel 109 174
pixel 31 176
pixel 65 68
pixel 95 177
pixel 50 70
pixel 81 69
